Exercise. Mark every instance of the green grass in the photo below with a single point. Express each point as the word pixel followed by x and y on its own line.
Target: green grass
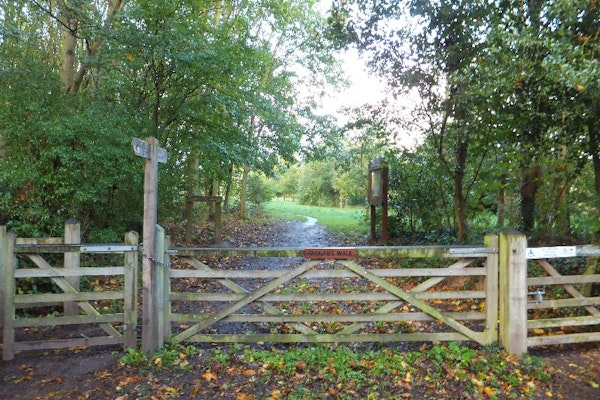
pixel 347 220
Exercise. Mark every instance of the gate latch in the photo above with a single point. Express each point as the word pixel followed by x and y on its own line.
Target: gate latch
pixel 538 295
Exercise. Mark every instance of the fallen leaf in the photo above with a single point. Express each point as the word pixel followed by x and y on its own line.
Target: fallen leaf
pixel 209 375
pixel 275 395
pixel 103 374
pixel 593 384
pixel 300 366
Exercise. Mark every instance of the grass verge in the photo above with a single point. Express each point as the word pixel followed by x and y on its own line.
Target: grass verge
pixel 348 220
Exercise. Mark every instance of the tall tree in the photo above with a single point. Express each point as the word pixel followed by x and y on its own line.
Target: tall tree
pixel 425 45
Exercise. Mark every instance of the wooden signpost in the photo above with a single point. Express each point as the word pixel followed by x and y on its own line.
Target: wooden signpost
pixel 149 150
pixel 378 193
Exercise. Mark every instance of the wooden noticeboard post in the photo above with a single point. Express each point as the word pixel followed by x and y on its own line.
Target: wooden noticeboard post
pixel 189 211
pixel 378 196
pixel 153 154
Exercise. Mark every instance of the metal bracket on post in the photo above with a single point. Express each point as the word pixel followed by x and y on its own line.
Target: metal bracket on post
pixel 538 295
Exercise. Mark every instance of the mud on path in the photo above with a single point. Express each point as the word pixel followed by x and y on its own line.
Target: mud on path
pixel 95 373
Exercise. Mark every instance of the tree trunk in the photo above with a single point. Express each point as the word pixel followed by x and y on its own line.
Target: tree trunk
pixel 594 139
pixel 561 209
pixel 460 203
pixel 214 192
pixel 501 202
pixel 228 187
pixel 530 180
pixel 69 24
pixel 243 191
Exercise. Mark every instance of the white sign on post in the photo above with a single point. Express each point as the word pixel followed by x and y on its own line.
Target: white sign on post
pixel 144 149
pixel 153 154
pixel 533 253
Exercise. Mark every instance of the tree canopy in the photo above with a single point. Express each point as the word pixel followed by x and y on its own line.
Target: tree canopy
pixel 507 88
pixel 503 93
pixel 215 81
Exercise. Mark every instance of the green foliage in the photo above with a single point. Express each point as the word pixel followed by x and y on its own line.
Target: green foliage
pixel 260 190
pixel 415 201
pixel 316 184
pixel 508 115
pixel 62 163
pixel 386 371
pixel 213 82
pixel 170 356
pixel 134 357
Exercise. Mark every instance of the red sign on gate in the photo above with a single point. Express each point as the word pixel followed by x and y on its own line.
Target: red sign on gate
pixel 340 253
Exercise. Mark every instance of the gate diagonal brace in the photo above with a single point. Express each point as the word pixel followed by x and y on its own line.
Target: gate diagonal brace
pixel 392 305
pixel 358 269
pixel 569 288
pixel 256 295
pixel 231 285
pixel 68 288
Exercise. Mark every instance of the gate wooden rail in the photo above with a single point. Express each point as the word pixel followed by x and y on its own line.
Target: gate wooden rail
pixel 22 258
pixel 328 295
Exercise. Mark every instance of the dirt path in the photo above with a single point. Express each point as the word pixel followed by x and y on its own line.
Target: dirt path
pixel 302 234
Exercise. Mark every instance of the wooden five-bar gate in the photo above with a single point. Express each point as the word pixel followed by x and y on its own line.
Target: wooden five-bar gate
pixel 363 294
pixel 332 295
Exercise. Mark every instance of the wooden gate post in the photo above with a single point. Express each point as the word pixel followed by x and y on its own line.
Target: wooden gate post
pixel 153 154
pixel 491 290
pixel 72 261
pixel 167 290
pixel 130 291
pixel 159 282
pixel 3 273
pixel 513 292
pixel 377 191
pixel 8 241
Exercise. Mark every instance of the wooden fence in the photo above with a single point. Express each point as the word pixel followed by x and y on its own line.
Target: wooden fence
pixel 113 310
pixel 502 291
pixel 543 309
pixel 329 295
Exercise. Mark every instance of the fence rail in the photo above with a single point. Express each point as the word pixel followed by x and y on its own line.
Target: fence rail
pixel 80 307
